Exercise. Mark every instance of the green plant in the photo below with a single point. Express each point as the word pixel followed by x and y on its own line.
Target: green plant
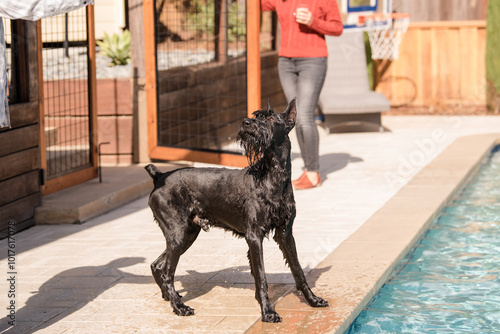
pixel 116 47
pixel 369 60
pixel 236 23
pixel 493 56
pixel 201 16
pixel 202 19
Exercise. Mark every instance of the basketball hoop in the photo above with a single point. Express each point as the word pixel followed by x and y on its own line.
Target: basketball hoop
pixel 386 32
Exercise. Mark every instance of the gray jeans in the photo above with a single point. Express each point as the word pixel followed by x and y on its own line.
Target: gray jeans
pixel 303 78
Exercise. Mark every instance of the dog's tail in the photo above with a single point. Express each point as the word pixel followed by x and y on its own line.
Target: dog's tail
pixel 153 171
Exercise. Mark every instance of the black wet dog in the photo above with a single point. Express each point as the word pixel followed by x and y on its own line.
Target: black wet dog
pixel 250 202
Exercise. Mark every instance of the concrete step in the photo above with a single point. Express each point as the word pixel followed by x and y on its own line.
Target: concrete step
pixel 77 204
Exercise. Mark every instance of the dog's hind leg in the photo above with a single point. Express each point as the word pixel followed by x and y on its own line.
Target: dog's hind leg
pixel 256 257
pixel 164 267
pixel 157 268
pixel 286 243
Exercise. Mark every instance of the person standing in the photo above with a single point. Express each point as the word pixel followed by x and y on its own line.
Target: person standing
pixel 26 10
pixel 302 69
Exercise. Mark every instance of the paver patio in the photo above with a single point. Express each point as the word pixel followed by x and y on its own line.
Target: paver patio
pixel 95 277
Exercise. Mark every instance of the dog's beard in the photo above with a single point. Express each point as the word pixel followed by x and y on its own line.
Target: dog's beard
pixel 254 146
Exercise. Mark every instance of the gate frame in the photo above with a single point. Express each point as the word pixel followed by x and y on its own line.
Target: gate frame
pixel 71 179
pixel 253 89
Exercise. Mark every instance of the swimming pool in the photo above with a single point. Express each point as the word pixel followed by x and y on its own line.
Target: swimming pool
pixel 450 281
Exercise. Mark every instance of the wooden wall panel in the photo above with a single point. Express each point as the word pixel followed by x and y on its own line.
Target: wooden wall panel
pixel 20 154
pixel 19 186
pixel 470 63
pixel 18 139
pixel 21 211
pixel 22 114
pixel 439 63
pixel 24 161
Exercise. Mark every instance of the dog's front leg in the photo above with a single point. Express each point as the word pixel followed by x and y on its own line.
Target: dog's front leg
pixel 286 243
pixel 256 257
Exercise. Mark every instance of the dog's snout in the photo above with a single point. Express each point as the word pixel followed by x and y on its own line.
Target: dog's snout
pixel 246 122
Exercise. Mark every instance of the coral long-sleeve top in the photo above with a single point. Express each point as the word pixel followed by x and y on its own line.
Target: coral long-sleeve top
pixel 299 40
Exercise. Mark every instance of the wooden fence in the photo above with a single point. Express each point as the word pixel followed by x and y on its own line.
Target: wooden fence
pixel 442 10
pixel 440 63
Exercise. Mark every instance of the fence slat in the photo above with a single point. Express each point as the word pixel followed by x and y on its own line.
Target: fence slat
pixel 439 63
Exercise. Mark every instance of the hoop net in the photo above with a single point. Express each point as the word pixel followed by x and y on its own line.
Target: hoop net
pixel 386 32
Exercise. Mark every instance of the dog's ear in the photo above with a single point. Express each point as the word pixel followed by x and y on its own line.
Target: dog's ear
pixel 291 113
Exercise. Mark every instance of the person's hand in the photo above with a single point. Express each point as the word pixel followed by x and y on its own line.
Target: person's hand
pixel 303 16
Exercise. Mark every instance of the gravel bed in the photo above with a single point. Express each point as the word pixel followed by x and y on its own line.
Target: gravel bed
pixel 56 65
pixel 74 66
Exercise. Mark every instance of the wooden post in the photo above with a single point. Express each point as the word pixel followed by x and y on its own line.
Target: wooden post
pixel 253 56
pixel 41 111
pixel 150 73
pixel 19 50
pixel 139 106
pixel 92 91
pixel 221 24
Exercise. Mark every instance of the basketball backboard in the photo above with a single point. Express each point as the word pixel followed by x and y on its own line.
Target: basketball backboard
pixel 351 10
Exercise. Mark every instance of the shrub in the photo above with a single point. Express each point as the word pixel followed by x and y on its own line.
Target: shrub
pixel 202 19
pixel 493 56
pixel 116 47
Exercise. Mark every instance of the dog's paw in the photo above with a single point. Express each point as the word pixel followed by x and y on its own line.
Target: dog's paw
pixel 184 310
pixel 318 302
pixel 271 317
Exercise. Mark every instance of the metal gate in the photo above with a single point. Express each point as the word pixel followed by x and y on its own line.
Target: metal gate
pixel 197 78
pixel 67 99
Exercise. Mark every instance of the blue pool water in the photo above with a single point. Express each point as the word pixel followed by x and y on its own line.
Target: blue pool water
pixel 450 282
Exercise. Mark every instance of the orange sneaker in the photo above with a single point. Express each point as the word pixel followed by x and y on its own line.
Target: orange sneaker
pixel 304 182
pixel 304 175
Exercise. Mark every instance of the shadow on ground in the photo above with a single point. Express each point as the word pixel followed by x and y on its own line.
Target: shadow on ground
pixel 40 235
pixel 66 293
pixel 332 162
pixel 71 290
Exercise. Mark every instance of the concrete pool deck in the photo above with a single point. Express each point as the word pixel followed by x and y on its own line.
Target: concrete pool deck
pixel 380 190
